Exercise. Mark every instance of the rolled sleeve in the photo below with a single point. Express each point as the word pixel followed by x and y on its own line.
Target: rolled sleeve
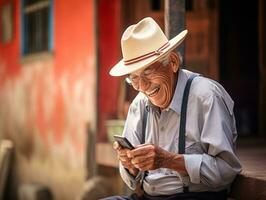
pixel 130 180
pixel 220 164
pixel 193 164
pixel 132 131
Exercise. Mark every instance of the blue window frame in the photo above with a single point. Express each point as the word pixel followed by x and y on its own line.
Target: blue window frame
pixel 36 26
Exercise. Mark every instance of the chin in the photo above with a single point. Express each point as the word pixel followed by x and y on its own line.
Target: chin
pixel 156 103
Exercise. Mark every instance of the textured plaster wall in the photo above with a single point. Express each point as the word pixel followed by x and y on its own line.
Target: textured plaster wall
pixel 46 104
pixel 46 117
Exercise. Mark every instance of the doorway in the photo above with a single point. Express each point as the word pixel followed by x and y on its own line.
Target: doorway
pixel 239 61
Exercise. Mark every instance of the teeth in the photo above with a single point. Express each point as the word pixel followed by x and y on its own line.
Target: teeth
pixel 153 92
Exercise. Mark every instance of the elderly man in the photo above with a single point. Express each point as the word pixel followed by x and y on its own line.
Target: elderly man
pixel 184 138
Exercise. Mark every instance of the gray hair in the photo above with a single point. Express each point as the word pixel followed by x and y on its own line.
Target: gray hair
pixel 180 58
pixel 165 60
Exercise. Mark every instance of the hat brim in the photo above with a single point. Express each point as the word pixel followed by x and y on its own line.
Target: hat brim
pixel 120 69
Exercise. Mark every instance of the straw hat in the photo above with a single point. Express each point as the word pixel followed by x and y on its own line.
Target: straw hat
pixel 143 44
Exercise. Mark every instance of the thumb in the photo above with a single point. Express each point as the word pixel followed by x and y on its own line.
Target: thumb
pixel 116 146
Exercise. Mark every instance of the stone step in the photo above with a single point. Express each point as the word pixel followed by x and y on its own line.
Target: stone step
pixel 251 183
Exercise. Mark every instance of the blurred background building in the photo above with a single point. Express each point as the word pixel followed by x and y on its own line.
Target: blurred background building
pixel 56 91
pixel 48 90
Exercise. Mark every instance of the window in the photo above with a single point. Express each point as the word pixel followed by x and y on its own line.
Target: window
pixel 155 5
pixel 36 26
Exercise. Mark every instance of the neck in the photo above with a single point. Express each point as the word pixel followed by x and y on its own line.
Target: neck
pixel 175 79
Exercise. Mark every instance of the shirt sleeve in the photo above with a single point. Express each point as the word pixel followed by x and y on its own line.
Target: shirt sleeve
pixel 218 165
pixel 129 179
pixel 132 131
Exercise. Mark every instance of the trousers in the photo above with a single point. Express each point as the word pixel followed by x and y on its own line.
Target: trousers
pixel 220 195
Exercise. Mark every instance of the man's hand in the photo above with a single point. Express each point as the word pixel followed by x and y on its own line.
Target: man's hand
pixel 122 154
pixel 150 157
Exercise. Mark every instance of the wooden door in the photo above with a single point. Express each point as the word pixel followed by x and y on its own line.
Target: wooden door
pixel 201 45
pixel 201 51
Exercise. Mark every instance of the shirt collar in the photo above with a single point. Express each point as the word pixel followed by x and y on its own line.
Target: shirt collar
pixel 149 105
pixel 179 90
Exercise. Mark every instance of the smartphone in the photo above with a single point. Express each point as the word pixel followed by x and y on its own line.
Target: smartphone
pixel 123 142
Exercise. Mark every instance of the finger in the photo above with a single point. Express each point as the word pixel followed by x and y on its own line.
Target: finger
pixel 146 165
pixel 127 163
pixel 143 158
pixel 124 159
pixel 122 154
pixel 141 150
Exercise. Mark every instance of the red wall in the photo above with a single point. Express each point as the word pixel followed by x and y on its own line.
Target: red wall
pixel 109 54
pixel 73 56
pixel 46 103
pixel 10 51
pixel 75 50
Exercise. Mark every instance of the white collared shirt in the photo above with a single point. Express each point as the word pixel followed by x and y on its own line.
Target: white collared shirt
pixel 210 158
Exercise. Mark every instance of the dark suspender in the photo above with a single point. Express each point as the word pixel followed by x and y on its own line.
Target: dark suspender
pixel 183 119
pixel 182 128
pixel 144 126
pixel 144 122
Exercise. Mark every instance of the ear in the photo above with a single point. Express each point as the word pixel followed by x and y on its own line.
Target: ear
pixel 174 61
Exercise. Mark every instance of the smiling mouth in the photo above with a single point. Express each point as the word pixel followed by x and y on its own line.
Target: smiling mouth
pixel 153 92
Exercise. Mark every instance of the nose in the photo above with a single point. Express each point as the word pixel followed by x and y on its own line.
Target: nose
pixel 143 84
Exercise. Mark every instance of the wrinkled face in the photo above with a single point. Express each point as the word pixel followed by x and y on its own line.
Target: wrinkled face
pixel 157 82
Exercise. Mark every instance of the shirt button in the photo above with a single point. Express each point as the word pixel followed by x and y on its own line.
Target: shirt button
pixel 162 128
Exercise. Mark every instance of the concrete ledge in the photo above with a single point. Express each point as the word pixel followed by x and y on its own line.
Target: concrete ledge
pixel 6 153
pixel 251 183
pixel 106 155
pixel 96 188
pixel 34 191
pixel 246 188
